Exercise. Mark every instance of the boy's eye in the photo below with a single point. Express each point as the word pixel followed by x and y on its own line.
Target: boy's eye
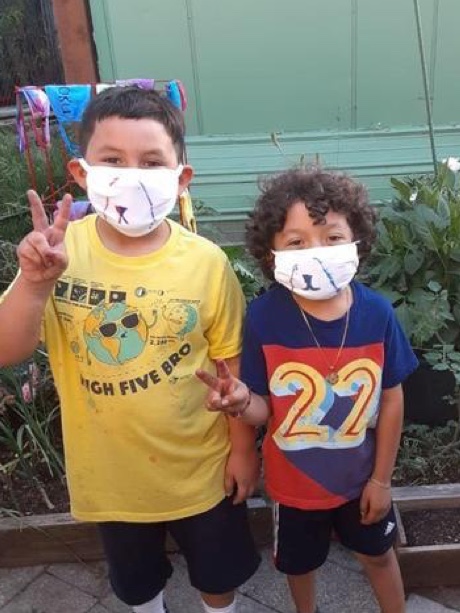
pixel 152 164
pixel 111 161
pixel 335 238
pixel 295 243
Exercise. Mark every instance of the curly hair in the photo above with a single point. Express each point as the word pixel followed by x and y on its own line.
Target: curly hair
pixel 321 191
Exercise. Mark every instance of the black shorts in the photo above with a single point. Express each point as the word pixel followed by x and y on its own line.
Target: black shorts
pixel 217 546
pixel 302 538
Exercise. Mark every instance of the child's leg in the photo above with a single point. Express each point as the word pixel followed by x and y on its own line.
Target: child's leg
pixel 301 545
pixel 138 566
pixel 219 551
pixel 373 545
pixel 303 591
pixel 385 578
pixel 156 605
pixel 219 603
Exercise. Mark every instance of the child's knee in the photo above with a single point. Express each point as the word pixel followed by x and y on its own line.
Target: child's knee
pixel 380 562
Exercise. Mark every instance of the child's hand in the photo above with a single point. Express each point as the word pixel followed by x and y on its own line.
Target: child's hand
pixel 226 392
pixel 42 256
pixel 241 474
pixel 375 503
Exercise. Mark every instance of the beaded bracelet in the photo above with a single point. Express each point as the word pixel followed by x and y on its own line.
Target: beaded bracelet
pixel 385 486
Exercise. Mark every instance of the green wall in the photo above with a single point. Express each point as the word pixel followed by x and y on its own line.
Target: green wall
pixel 338 80
pixel 296 65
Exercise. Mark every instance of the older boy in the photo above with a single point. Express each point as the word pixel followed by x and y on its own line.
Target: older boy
pixel 130 305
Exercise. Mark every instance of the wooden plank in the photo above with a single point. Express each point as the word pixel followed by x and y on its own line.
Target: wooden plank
pixel 227 169
pixel 47 539
pixel 402 538
pixel 75 41
pixel 430 566
pixel 440 496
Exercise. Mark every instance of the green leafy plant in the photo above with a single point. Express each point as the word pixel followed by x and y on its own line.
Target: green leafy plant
pixel 30 442
pixel 428 455
pixel 416 261
pixel 250 279
pixel 445 357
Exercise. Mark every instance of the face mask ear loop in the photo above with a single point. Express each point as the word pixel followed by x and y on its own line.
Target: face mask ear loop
pixel 84 164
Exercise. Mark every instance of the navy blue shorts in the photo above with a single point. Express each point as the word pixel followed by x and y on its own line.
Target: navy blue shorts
pixel 217 545
pixel 302 538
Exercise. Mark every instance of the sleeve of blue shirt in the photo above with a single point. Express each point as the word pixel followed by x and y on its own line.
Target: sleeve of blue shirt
pixel 400 361
pixel 253 366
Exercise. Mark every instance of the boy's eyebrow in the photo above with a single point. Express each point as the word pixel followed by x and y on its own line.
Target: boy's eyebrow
pixel 328 226
pixel 112 149
pixel 334 224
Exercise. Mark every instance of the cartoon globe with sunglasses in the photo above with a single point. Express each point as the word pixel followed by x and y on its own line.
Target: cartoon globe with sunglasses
pixel 115 333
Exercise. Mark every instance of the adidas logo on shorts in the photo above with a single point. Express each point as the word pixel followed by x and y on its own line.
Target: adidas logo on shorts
pixel 389 528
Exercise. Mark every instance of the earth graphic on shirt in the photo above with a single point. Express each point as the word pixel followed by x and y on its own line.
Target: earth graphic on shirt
pixel 181 317
pixel 115 333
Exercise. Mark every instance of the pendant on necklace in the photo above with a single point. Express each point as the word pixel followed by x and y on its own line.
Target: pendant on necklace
pixel 332 377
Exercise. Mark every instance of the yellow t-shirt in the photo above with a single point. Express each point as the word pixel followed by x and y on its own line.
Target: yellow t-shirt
pixel 125 337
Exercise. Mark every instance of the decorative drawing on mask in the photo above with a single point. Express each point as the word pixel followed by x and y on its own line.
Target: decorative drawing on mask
pixel 121 210
pixel 181 317
pixel 309 283
pixel 328 274
pixel 146 194
pixel 115 333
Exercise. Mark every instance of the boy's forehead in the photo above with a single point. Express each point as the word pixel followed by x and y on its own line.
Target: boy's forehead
pixel 118 133
pixel 299 214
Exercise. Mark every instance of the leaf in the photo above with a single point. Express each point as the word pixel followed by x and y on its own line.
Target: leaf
pixel 441 366
pixel 443 210
pixel 434 286
pixel 403 189
pixel 456 312
pixel 455 254
pixel 413 261
pixel 391 295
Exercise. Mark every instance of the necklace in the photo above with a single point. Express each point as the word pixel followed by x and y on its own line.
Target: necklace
pixel 332 376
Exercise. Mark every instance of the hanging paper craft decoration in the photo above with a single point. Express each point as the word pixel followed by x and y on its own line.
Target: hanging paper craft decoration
pixel 38 106
pixel 176 94
pixel 68 103
pixel 142 83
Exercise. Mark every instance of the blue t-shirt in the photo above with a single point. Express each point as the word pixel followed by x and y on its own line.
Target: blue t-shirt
pixel 319 449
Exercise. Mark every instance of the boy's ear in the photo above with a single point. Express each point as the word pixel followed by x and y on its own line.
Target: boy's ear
pixel 77 172
pixel 185 178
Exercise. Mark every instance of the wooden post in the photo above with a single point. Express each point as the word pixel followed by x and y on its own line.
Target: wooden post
pixel 73 26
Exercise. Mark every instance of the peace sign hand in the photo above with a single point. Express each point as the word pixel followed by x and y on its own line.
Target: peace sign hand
pixel 226 393
pixel 42 255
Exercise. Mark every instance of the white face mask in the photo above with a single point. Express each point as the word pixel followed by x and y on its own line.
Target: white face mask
pixel 318 273
pixel 133 200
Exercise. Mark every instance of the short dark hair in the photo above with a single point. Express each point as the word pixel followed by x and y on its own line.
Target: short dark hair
pixel 133 103
pixel 321 191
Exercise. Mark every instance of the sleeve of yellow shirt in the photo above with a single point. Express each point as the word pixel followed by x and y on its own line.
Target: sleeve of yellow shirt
pixel 225 332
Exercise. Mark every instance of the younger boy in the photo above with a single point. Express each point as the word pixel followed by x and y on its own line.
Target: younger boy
pixel 323 362
pixel 130 305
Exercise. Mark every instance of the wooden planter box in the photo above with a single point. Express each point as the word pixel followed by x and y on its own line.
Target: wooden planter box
pixel 46 539
pixel 53 538
pixel 427 565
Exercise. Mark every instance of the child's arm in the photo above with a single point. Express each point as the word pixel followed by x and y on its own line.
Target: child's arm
pixel 376 496
pixel 242 470
pixel 42 259
pixel 230 395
